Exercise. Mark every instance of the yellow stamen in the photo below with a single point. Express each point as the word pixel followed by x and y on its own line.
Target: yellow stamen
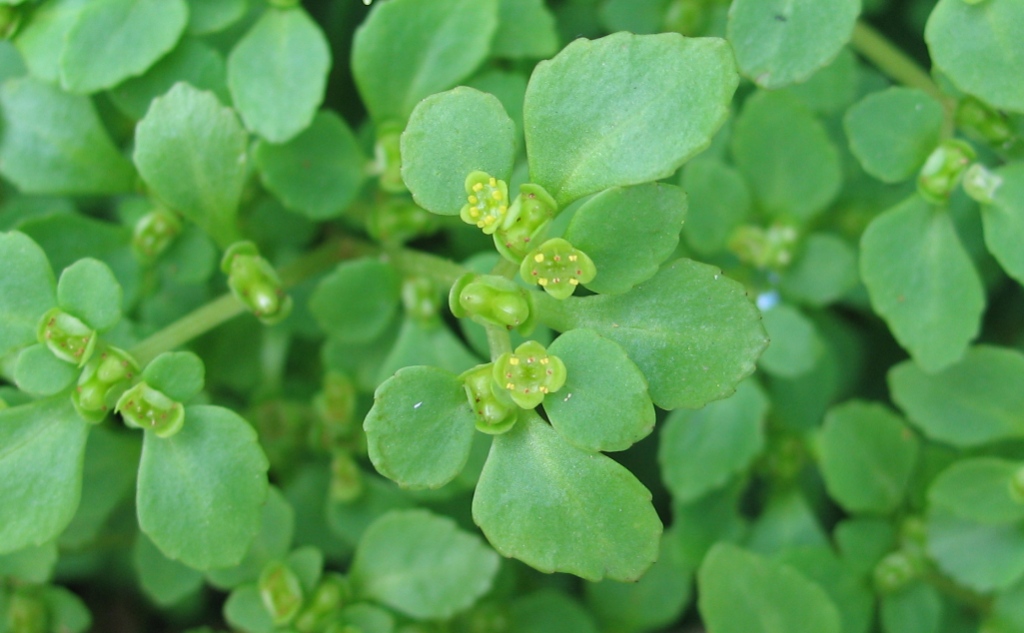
pixel 574 282
pixel 473 200
pixel 513 361
pixel 542 281
pixel 478 186
pixel 544 361
pixel 539 257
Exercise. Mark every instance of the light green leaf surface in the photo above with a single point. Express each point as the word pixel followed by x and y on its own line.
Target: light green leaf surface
pixel 1004 220
pixel 272 542
pixel 977 46
pixel 177 375
pixel 165 581
pixel 603 405
pixel 893 131
pixel 596 116
pixel 795 344
pixel 112 40
pixel 420 428
pixel 549 611
pixel 200 491
pixel 355 303
pixel 700 450
pixel 88 290
pixel 191 151
pixel 526 29
pixel 244 610
pixel 913 609
pixel 42 446
pixel 628 232
pixel 977 401
pixel 741 592
pixel 780 42
pixel 867 457
pixel 41 40
pixel 824 270
pixel 849 593
pixel 449 136
pixel 32 564
pixel 422 565
pixel 430 343
pixel 442 41
pixel 68 612
pixel 832 88
pixel 54 143
pixel 693 332
pixel 317 173
pixel 922 282
pixel 786 156
pixel 39 373
pixel 27 290
pixel 210 16
pixel 984 557
pixel 719 201
pixel 978 489
pixel 560 508
pixel 277 73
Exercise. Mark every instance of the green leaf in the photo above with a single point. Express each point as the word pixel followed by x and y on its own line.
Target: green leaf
pixel 420 428
pixel 526 29
pixel 449 136
pixel 272 542
pixel 549 611
pixel 39 373
pixel 41 39
pixel 68 614
pixel 307 563
pixel 560 508
pixel 654 601
pixel 984 557
pixel 786 156
pixel 355 303
pixel 42 446
pixel 27 290
pixel 832 88
pixel 628 232
pixel 693 332
pixel 977 401
pixel 979 490
pixel 922 282
pixel 914 609
pixel 719 201
pixel 165 581
pixel 741 592
pixel 422 565
pixel 445 39
pixel 350 519
pixel 596 117
pixel 112 40
pixel 277 73
pixel 892 132
pixel 863 542
pixel 701 450
pixel 244 610
pixel 12 65
pixel 192 152
pixel 603 405
pixel 433 344
pixel 206 16
pixel 823 271
pixel 88 290
pixel 54 143
pixel 367 618
pixel 319 172
pixel 1007 613
pixel 1004 220
pixel 191 61
pixel 177 375
pixel 786 521
pixel 867 457
pixel 780 42
pixel 795 344
pixel 849 593
pixel 33 564
pixel 200 491
pixel 976 46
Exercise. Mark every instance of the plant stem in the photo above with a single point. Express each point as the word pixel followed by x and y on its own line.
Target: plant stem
pixel 498 341
pixel 193 324
pixel 443 271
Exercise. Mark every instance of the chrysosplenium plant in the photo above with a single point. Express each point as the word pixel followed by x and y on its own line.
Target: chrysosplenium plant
pixel 320 318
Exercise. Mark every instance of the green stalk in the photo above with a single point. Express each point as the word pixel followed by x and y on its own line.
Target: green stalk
pixel 498 341
pixel 195 323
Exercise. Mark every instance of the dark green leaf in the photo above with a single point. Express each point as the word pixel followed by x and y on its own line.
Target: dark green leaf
pixel 719 202
pixel 355 303
pixel 165 581
pixel 863 542
pixel 914 609
pixel 433 344
pixel 795 344
pixel 526 29
pixel 68 614
pixel 850 595
pixel 177 375
pixel 1004 220
pixel 982 556
pixel 88 290
pixel 979 489
pixel 822 272
pixel 549 611
pixel 210 16
pixel 244 610
pixel 277 73
pixel 33 564
pixel 832 88
pixel 892 132
pixel 786 521
pixel 272 542
pixel 560 508
pixel 596 117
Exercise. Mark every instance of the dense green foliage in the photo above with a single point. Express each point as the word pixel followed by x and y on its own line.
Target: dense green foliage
pixel 488 316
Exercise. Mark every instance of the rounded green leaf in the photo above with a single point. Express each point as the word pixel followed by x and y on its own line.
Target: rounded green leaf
pixel 851 596
pixel 244 610
pixel 209 17
pixel 319 172
pixel 42 447
pixel 355 303
pixel 89 290
pixel 39 373
pixel 741 592
pixel 422 565
pixel 420 428
pixel 780 42
pixel 165 581
pixel 277 73
pixel 628 232
pixel 272 542
pixel 67 611
pixel 914 609
pixel 200 491
pixel 977 45
pixel 795 344
pixel 824 270
pixel 977 401
pixel 596 116
pixel 559 508
pixel 1004 220
pixel 693 332
pixel 786 156
pixel 867 457
pixel 446 40
pixel 922 282
pixel 112 40
pixel 54 143
pixel 526 29
pixel 832 88
pixel 177 375
pixel 33 564
pixel 982 556
pixel 449 136
pixel 719 201
pixel 26 290
pixel 892 132
pixel 603 405
pixel 701 450
pixel 979 490
pixel 41 40
pixel 191 151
